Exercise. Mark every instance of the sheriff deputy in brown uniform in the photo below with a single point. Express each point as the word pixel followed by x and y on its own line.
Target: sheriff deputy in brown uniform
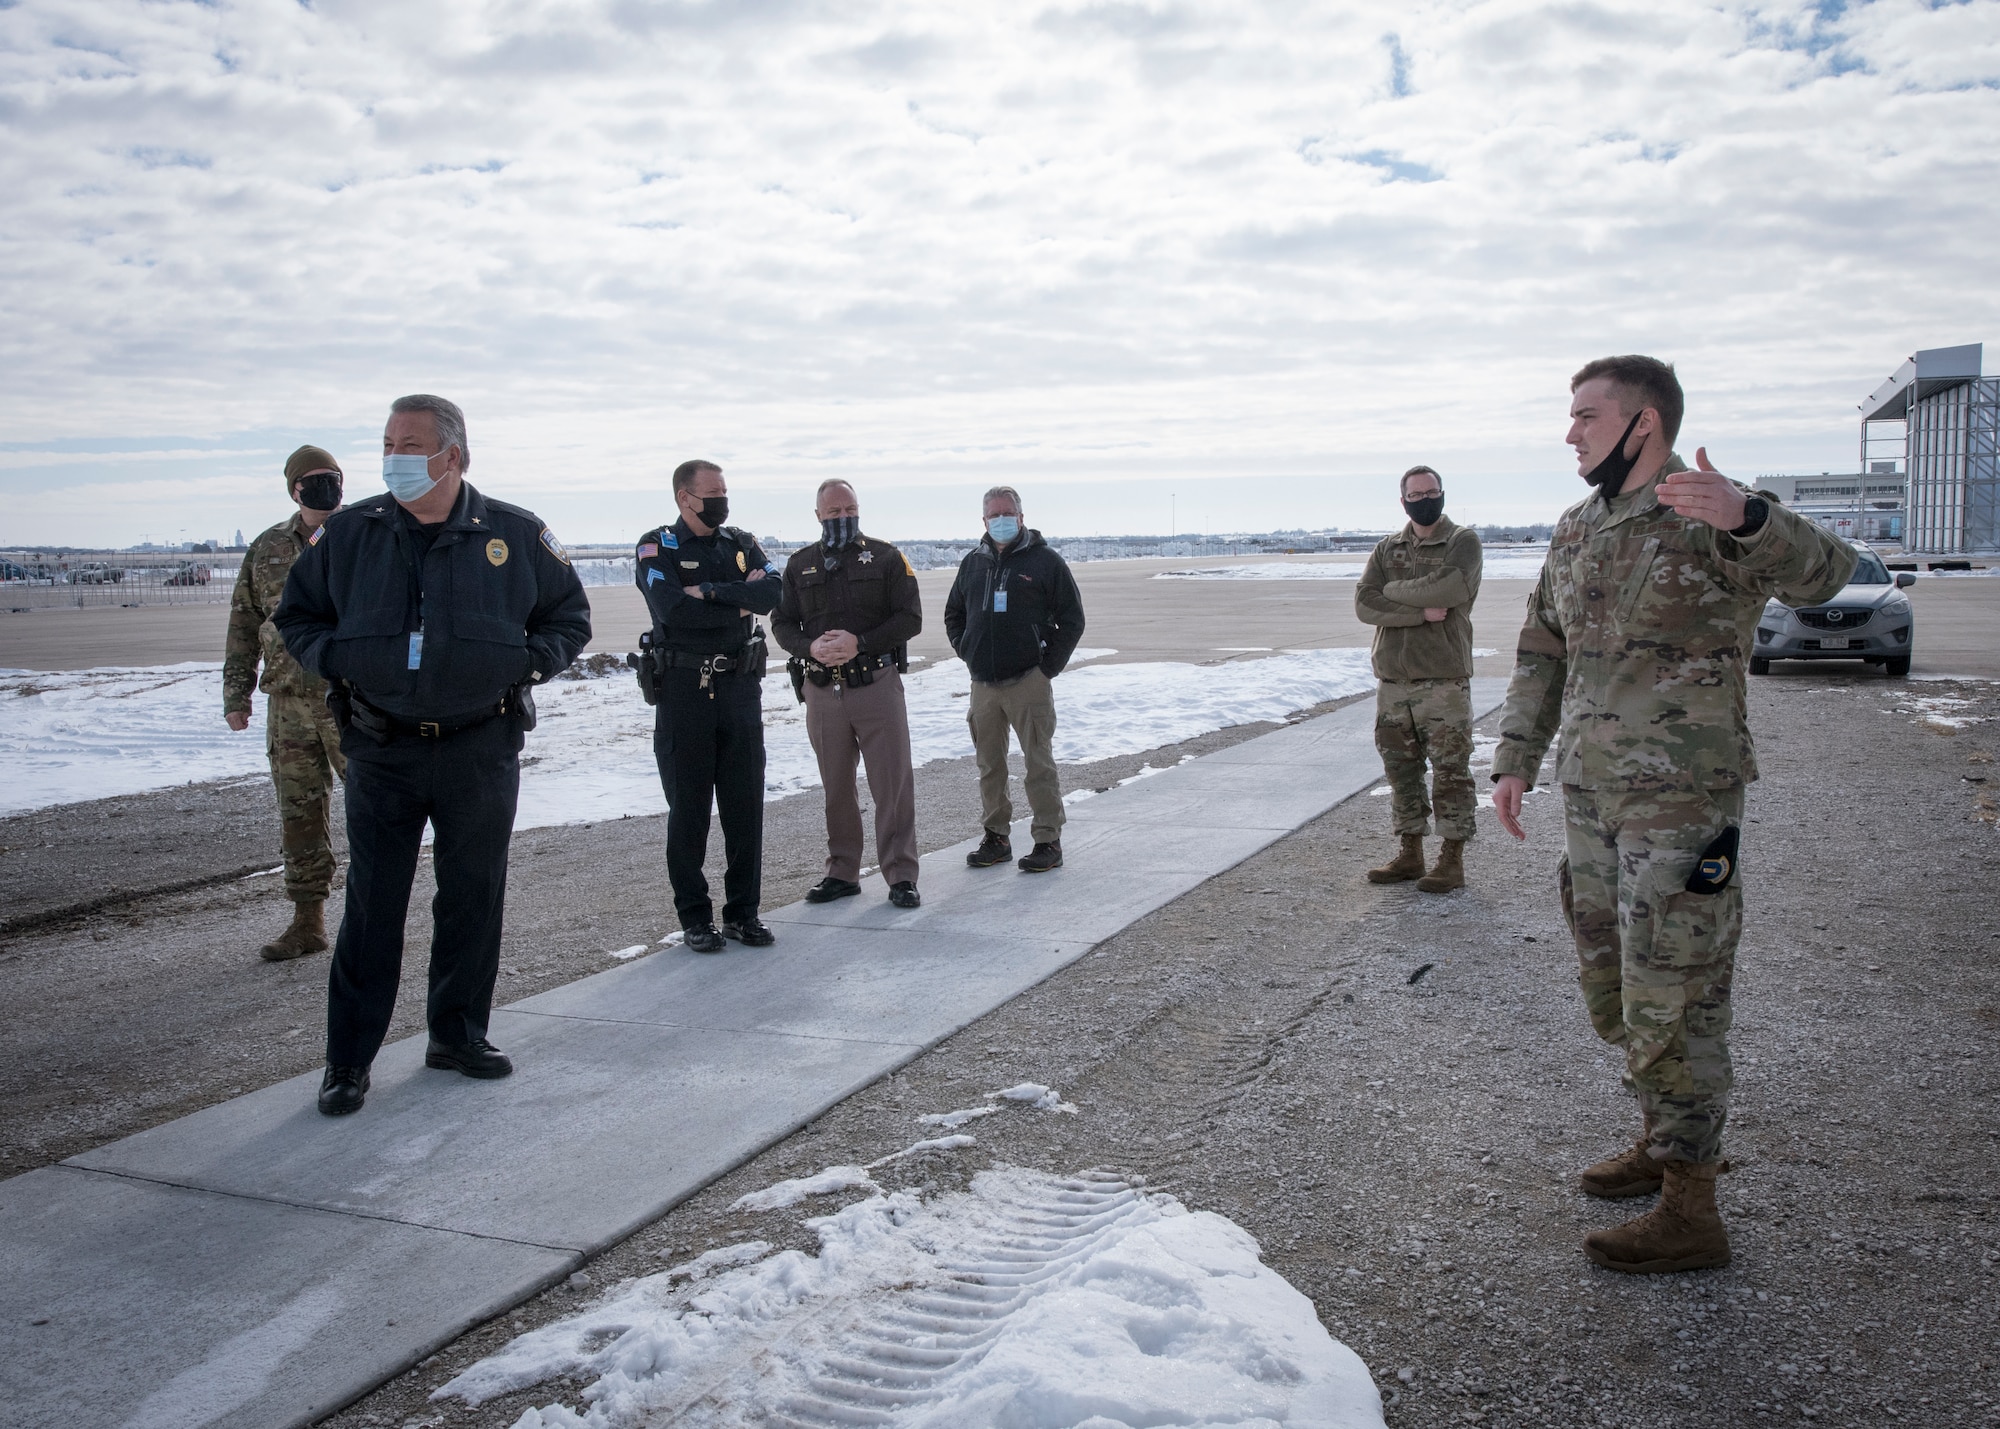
pixel 300 735
pixel 848 613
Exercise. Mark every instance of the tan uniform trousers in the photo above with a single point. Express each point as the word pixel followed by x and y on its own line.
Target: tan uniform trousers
pixel 1027 706
pixel 303 743
pixel 868 724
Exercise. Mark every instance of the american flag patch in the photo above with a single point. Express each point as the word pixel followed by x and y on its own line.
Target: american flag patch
pixel 648 548
pixel 318 531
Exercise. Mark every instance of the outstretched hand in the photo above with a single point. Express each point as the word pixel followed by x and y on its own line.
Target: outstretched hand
pixel 1704 494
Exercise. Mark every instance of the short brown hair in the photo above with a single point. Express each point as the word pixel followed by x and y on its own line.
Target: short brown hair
pixel 1641 382
pixel 1403 486
pixel 687 471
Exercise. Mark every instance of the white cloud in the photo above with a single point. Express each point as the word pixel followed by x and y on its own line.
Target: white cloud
pixel 939 245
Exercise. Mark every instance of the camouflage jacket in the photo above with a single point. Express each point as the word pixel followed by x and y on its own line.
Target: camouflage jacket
pixel 252 637
pixel 1636 639
pixel 1405 574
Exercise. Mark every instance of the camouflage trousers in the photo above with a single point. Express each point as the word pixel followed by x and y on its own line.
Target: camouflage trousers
pixel 1419 721
pixel 304 745
pixel 1656 961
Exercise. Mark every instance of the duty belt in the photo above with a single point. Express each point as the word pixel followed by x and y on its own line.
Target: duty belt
pixel 381 723
pixel 709 664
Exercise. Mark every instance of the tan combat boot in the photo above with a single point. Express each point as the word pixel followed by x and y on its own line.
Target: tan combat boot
pixel 1683 1232
pixel 1404 866
pixel 1632 1172
pixel 306 935
pixel 1450 870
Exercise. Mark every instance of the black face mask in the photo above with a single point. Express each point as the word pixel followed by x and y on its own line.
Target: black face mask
pixel 320 491
pixel 1425 510
pixel 837 531
pixel 714 511
pixel 1609 475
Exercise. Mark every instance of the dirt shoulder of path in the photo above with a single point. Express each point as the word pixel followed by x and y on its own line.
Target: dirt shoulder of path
pixel 1393 1093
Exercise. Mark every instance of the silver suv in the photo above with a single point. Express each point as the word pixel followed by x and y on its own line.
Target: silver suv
pixel 1869 620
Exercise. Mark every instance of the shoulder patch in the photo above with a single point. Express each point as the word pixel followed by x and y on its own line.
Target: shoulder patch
pixel 318 531
pixel 555 546
pixel 648 548
pixel 908 569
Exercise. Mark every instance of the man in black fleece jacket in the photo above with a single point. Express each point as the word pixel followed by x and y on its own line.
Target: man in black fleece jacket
pixel 1014 617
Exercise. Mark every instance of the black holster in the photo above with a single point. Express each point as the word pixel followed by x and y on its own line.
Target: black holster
pixel 340 703
pixel 520 704
pixel 642 663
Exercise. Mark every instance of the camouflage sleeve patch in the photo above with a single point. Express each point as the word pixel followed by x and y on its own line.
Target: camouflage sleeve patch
pixel 555 546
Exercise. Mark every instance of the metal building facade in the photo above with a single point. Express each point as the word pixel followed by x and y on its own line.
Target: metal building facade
pixel 1950 416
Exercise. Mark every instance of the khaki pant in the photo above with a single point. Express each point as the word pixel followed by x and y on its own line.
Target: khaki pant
pixel 1655 961
pixel 1427 720
pixel 303 743
pixel 1028 707
pixel 871 725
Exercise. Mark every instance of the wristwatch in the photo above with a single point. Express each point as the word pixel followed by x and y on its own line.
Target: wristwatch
pixel 1756 511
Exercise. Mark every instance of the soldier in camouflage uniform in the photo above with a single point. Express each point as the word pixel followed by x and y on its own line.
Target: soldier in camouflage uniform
pixel 1634 649
pixel 300 734
pixel 1417 591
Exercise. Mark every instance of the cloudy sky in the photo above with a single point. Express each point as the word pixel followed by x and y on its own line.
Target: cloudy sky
pixel 1237 262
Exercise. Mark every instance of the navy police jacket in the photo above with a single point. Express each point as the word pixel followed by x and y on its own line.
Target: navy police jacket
pixel 495 600
pixel 1014 611
pixel 669 558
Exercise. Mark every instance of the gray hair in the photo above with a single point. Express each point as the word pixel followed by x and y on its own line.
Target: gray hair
pixel 829 484
pixel 449 420
pixel 997 491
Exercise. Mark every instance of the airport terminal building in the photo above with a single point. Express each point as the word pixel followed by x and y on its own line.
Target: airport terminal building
pixel 1946 418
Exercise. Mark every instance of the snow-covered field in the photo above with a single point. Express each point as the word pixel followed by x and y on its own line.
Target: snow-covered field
pixel 1027 1299
pixel 95 734
pixel 1500 565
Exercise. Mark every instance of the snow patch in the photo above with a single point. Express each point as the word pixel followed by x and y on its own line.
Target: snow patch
pixel 1027 1299
pixel 632 952
pixel 1499 565
pixel 790 1193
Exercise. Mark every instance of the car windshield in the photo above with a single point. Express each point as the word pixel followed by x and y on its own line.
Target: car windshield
pixel 1869 571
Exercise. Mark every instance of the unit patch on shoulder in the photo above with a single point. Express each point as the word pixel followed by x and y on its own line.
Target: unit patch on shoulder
pixel 908 569
pixel 648 549
pixel 496 551
pixel 318 531
pixel 555 546
pixel 741 563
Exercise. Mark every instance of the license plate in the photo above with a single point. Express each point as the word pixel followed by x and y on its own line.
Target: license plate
pixel 1833 642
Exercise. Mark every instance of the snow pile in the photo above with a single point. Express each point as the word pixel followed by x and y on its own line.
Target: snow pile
pixel 97 734
pixel 1028 1299
pixel 1041 1098
pixel 1499 565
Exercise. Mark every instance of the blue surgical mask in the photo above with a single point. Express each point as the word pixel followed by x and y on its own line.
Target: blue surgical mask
pixel 407 475
pixel 1003 529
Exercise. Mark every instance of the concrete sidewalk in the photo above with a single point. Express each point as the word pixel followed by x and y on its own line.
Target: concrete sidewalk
pixel 258 1264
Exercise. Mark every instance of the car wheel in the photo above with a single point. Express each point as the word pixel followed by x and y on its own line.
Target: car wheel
pixel 1759 665
pixel 1897 666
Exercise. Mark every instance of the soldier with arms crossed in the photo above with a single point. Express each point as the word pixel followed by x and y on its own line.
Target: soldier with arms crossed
pixel 1634 651
pixel 1417 592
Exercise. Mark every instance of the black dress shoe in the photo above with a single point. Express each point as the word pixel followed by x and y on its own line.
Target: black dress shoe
pixel 996 849
pixel 1042 857
pixel 477 1058
pixel 828 889
pixel 749 932
pixel 905 895
pixel 702 938
pixel 342 1090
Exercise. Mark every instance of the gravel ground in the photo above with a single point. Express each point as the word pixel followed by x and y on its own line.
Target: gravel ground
pixel 1403 1146
pixel 1392 1092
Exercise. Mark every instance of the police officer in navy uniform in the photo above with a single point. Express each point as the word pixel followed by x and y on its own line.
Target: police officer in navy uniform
pixel 430 610
pixel 704 582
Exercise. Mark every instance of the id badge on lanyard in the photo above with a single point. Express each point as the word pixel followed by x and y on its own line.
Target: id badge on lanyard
pixel 1000 602
pixel 417 648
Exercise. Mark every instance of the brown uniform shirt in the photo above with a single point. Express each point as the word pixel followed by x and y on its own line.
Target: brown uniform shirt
pixel 1405 574
pixel 870 591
